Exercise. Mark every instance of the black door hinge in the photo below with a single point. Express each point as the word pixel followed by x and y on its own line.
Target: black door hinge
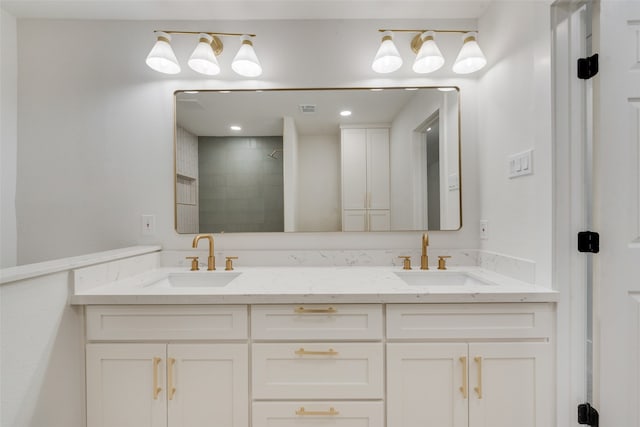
pixel 588 415
pixel 588 67
pixel 588 241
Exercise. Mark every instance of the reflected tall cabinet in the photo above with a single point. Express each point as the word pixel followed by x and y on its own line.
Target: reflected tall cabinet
pixel 365 178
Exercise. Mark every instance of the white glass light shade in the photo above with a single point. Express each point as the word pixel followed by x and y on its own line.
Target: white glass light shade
pixel 161 58
pixel 429 57
pixel 470 58
pixel 246 62
pixel 387 59
pixel 203 59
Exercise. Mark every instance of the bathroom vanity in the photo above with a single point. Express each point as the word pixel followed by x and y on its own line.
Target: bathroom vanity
pixel 302 346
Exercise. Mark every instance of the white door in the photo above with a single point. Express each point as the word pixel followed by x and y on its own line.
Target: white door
pixel 427 385
pixel 208 385
pixel 511 384
pixel 354 168
pixel 617 213
pixel 378 168
pixel 126 385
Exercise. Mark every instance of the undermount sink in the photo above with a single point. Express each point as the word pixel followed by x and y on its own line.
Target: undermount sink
pixel 197 279
pixel 438 278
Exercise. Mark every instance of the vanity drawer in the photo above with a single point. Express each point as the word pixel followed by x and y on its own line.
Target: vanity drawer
pixel 318 371
pixel 152 322
pixel 317 321
pixel 318 414
pixel 470 321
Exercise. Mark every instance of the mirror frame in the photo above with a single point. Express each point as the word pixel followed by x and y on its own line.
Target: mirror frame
pixel 324 89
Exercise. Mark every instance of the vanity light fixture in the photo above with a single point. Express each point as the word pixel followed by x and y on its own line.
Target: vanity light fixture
pixel 470 59
pixel 203 59
pixel 387 58
pixel 429 58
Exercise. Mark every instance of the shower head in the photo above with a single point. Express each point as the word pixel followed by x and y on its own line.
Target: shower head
pixel 274 153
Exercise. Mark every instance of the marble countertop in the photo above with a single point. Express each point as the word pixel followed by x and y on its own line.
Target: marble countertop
pixel 349 284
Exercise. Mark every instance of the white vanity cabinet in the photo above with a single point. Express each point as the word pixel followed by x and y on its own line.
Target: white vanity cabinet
pixel 331 356
pixel 342 365
pixel 499 376
pixel 365 179
pixel 171 383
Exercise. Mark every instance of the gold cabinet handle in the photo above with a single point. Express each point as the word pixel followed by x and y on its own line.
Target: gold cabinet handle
pixel 302 352
pixel 156 389
pixel 330 412
pixel 170 388
pixel 463 388
pixel 315 310
pixel 478 389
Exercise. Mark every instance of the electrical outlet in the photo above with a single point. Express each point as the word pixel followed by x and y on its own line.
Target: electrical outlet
pixel 484 229
pixel 149 225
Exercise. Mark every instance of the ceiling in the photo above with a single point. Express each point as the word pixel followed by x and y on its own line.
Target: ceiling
pixel 242 10
pixel 261 113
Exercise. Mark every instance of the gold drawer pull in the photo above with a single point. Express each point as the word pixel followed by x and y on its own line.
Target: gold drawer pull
pixel 315 310
pixel 302 352
pixel 171 388
pixel 463 388
pixel 478 389
pixel 156 389
pixel 330 412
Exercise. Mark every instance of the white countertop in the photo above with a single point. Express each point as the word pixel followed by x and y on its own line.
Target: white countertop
pixel 28 271
pixel 271 285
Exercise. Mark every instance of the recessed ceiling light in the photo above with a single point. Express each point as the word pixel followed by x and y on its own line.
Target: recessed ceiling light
pixel 345 113
pixel 235 127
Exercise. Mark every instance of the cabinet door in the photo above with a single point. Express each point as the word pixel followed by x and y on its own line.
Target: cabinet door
pixel 426 385
pixel 379 220
pixel 378 168
pixel 354 168
pixel 126 385
pixel 354 220
pixel 510 384
pixel 208 385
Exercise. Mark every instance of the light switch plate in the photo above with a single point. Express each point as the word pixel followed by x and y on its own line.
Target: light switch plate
pixel 520 164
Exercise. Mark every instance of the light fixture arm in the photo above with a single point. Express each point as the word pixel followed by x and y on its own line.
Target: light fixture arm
pixel 206 32
pixel 416 42
pixel 216 43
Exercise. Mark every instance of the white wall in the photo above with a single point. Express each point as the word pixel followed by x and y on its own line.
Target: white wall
pixel 513 116
pixel 449 146
pixel 408 158
pixel 42 354
pixel 319 183
pixel 96 130
pixel 8 138
pixel 290 166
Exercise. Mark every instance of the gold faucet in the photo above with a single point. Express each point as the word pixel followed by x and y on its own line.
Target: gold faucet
pixel 424 259
pixel 211 261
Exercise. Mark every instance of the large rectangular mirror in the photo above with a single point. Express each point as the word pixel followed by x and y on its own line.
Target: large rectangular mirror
pixel 317 160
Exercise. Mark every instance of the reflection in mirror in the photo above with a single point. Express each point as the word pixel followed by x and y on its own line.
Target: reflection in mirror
pixel 288 160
